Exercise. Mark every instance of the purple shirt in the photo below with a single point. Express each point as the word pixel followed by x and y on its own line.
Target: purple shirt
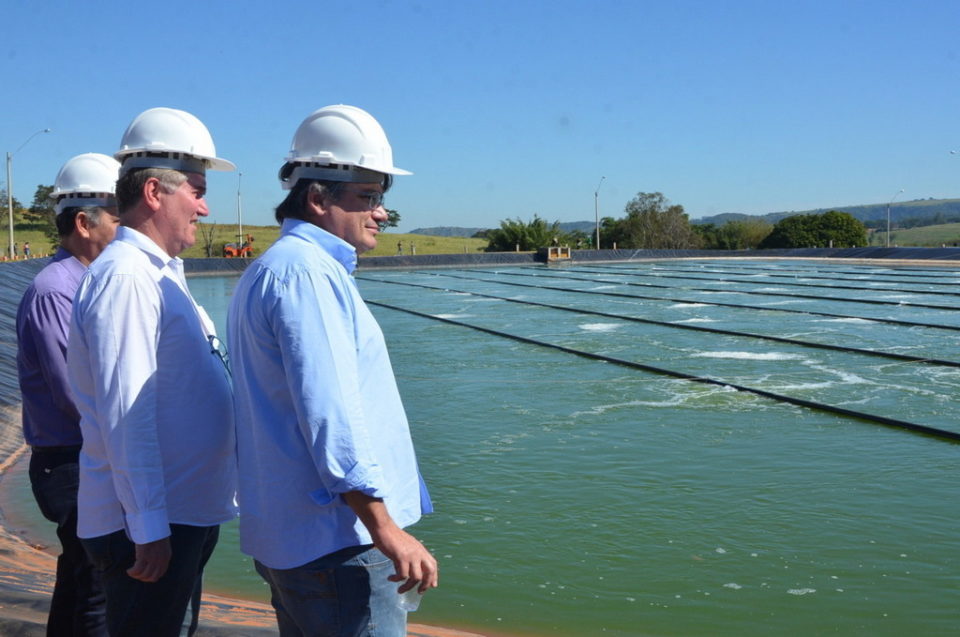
pixel 50 418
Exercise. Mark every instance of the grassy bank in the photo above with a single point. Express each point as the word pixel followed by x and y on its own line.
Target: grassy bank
pixel 925 236
pixel 264 236
pixel 40 245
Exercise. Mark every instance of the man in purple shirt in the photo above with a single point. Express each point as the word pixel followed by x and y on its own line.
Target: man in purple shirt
pixel 86 219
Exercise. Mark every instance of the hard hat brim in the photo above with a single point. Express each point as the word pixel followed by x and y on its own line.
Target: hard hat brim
pixel 216 163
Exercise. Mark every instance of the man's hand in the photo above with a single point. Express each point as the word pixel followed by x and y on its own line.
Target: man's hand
pixel 411 559
pixel 413 562
pixel 152 560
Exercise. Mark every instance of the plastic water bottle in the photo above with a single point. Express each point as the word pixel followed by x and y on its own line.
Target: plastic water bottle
pixel 410 600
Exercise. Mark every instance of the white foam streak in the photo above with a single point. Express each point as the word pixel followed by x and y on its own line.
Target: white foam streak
pixel 751 356
pixel 600 327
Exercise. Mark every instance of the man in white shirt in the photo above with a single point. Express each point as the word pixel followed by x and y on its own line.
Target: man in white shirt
pixel 157 467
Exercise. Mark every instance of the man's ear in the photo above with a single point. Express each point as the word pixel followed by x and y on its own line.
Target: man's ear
pixel 152 189
pixel 82 225
pixel 317 202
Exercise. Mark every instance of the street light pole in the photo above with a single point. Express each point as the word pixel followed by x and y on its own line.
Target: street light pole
pixel 239 216
pixel 10 185
pixel 596 210
pixel 888 215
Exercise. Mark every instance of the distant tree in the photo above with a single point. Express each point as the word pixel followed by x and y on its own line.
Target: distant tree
pixel 839 229
pixel 42 208
pixel 706 235
pixel 528 236
pixel 745 234
pixel 41 215
pixel 651 223
pixel 842 230
pixel 608 232
pixel 482 234
pixel 206 233
pixel 798 231
pixel 577 239
pixel 17 206
pixel 393 220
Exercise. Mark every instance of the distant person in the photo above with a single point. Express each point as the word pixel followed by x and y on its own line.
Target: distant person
pixel 86 221
pixel 328 475
pixel 16 250
pixel 157 468
pixel 399 248
pixel 26 249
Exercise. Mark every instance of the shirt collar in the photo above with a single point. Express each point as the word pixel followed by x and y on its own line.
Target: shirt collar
pixel 70 262
pixel 336 247
pixel 147 245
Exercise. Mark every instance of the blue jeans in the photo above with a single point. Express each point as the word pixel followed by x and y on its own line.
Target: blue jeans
pixel 154 609
pixel 78 606
pixel 343 594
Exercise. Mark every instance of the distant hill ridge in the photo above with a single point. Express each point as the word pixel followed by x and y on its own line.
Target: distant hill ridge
pixel 899 211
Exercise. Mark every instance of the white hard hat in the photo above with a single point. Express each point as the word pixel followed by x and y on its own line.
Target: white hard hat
pixel 339 143
pixel 169 138
pixel 86 180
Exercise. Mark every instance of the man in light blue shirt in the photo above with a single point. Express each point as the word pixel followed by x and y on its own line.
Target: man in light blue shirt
pixel 328 475
pixel 158 464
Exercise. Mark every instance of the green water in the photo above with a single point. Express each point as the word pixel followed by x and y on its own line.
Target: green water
pixel 577 497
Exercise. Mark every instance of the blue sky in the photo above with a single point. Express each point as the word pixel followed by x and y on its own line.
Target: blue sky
pixel 510 109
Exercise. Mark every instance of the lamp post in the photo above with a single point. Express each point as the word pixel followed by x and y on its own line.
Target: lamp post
pixel 239 216
pixel 596 210
pixel 10 185
pixel 888 215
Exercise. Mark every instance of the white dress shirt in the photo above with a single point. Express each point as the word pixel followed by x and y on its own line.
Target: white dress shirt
pixel 154 398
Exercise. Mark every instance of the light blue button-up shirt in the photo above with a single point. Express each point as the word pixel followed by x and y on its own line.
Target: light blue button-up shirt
pixel 318 410
pixel 154 398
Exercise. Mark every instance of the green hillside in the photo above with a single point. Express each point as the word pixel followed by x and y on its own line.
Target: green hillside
pixel 946 209
pixel 924 236
pixel 264 236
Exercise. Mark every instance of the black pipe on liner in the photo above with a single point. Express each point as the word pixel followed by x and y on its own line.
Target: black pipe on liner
pixel 882 420
pixel 887 321
pixel 951 308
pixel 733 278
pixel 695 328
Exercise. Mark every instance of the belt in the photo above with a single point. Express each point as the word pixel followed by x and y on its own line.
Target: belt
pixel 60 449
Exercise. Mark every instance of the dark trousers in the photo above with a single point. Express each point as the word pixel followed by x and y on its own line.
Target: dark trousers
pixel 157 609
pixel 78 606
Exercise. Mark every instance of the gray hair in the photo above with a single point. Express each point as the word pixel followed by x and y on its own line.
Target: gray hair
pixel 130 185
pixel 66 220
